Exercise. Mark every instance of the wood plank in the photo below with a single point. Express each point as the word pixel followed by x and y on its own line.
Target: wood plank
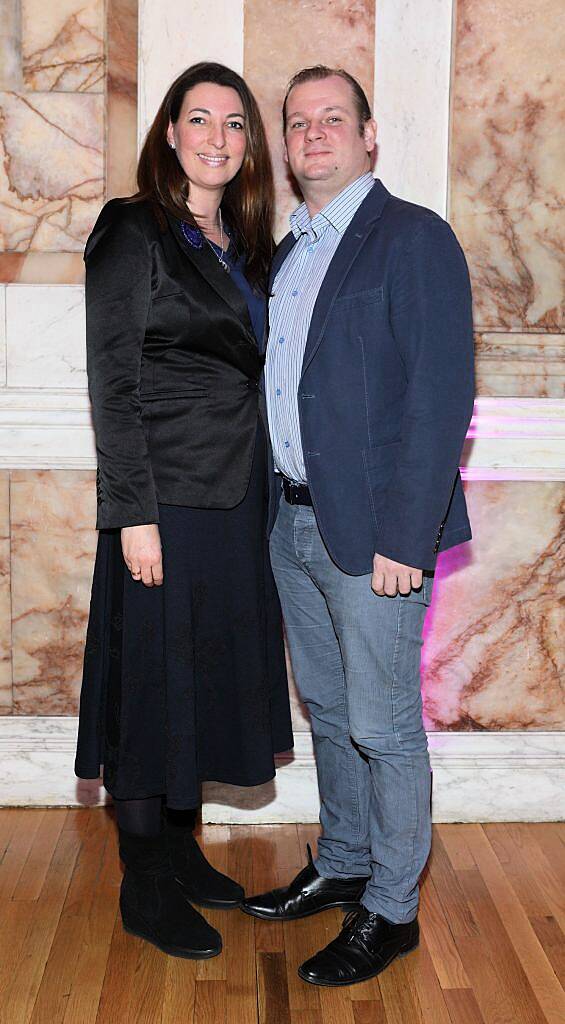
pixel 455 907
pixel 17 851
pixel 211 1004
pixel 272 989
pixel 303 1016
pixel 552 941
pixel 498 950
pixel 58 977
pixel 419 971
pixel 214 841
pixel 540 868
pixel 516 870
pixel 21 991
pixel 452 838
pixel 400 1002
pixel 241 971
pixel 369 1012
pixel 536 966
pixel 302 938
pixel 180 991
pixel 91 964
pixel 268 873
pixel 134 982
pixel 463 1006
pixel 9 819
pixel 30 882
pixel 550 837
pixel 439 940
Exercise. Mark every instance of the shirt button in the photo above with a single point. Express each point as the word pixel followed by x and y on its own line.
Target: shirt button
pixel 278 391
pixel 310 248
pixel 281 341
pixel 287 444
pixel 294 293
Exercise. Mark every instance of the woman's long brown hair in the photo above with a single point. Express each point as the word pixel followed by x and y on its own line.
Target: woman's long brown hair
pixel 248 201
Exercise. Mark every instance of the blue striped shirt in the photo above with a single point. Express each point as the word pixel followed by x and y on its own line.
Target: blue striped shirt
pixel 295 291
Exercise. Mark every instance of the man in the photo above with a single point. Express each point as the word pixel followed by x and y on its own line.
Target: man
pixel 369 388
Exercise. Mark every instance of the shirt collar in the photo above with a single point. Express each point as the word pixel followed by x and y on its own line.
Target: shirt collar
pixel 338 213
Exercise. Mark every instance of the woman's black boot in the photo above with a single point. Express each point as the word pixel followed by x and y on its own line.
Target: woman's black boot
pixel 200 881
pixel 153 904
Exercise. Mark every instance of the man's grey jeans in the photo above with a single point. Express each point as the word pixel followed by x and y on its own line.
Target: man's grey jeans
pixel 356 660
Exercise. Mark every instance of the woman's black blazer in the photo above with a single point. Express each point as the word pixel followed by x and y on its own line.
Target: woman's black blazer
pixel 173 369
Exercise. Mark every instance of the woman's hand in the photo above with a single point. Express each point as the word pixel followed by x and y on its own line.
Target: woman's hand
pixel 141 546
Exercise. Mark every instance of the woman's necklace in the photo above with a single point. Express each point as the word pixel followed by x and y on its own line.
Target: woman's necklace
pixel 194 238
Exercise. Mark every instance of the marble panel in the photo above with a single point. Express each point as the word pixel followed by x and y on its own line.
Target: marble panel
pixel 53 545
pixel 52 173
pixel 121 100
pixel 174 36
pixel 2 336
pixel 493 654
pixel 10 63
pixel 46 336
pixel 507 159
pixel 281 37
pixel 5 599
pixel 513 364
pixel 63 45
pixel 412 78
pixel 41 267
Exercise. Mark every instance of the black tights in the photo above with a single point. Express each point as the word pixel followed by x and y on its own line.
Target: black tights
pixel 144 817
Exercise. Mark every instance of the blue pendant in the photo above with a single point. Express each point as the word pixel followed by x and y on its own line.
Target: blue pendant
pixel 192 235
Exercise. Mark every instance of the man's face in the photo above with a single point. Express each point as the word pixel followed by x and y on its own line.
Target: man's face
pixel 322 139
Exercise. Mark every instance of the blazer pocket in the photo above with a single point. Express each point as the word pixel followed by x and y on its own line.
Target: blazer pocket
pixel 369 297
pixel 380 464
pixel 169 295
pixel 165 393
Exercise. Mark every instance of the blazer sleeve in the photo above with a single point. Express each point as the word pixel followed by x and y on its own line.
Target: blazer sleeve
pixel 118 295
pixel 431 317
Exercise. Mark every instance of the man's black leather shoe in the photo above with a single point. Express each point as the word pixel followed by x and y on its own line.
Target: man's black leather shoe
pixel 366 945
pixel 307 894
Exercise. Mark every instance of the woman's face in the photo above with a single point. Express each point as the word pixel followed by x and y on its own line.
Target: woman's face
pixel 209 136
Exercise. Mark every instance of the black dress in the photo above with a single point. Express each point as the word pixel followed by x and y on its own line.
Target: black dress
pixel 186 682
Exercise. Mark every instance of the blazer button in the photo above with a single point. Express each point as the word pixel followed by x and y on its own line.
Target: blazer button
pixel 252 385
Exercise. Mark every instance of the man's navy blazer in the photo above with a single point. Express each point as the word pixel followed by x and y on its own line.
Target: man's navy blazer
pixel 386 392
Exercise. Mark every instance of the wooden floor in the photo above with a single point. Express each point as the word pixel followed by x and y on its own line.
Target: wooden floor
pixel 492 922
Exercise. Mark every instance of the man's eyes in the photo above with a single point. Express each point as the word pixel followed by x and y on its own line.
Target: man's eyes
pixel 332 119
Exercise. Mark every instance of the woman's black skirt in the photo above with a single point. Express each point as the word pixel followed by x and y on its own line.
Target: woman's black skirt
pixel 187 682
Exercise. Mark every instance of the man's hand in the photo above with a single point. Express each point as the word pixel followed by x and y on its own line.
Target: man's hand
pixel 141 547
pixel 390 577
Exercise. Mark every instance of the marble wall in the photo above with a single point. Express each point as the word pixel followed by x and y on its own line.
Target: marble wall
pixel 507 178
pixel 340 34
pixel 68 131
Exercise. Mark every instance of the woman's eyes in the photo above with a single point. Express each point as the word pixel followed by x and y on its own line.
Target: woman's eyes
pixel 197 119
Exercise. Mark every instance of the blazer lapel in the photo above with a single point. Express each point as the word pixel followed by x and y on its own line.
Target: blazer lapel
pixel 347 251
pixel 205 262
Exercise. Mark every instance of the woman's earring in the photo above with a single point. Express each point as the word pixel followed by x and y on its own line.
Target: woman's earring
pixel 172 145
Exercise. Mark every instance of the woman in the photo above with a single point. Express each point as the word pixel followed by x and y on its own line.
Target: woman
pixel 184 676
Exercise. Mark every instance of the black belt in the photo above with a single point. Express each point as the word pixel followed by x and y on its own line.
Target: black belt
pixel 296 494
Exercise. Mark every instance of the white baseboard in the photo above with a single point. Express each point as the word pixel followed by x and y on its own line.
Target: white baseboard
pixel 477 776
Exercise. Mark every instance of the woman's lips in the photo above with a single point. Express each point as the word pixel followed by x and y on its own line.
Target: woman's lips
pixel 213 161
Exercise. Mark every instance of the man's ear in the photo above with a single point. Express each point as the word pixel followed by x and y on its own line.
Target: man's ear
pixel 370 134
pixel 285 151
